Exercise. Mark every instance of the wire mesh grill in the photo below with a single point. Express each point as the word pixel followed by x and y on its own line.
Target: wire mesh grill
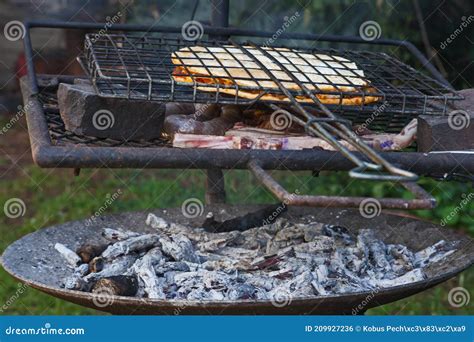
pixel 363 86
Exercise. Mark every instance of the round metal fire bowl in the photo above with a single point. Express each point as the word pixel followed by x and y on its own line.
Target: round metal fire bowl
pixel 33 261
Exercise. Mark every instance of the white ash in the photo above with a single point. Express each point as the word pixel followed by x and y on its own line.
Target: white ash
pixel 117 234
pixel 300 260
pixel 70 256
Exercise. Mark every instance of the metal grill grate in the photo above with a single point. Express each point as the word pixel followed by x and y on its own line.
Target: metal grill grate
pixel 383 93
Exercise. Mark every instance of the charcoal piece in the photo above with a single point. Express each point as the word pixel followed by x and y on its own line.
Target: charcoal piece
pixel 96 264
pixel 75 281
pixel 242 291
pixel 258 218
pixel 89 251
pixel 116 285
pixel 115 235
pixel 85 113
pixel 338 232
pixel 114 267
pixel 70 256
pixel 156 222
pixel 144 269
pixel 171 266
pixel 218 241
pixel 180 248
pixel 130 245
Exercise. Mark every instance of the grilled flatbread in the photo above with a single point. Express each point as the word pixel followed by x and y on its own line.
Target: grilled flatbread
pixel 238 72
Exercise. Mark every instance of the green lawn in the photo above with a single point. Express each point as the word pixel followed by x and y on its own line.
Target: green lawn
pixel 55 196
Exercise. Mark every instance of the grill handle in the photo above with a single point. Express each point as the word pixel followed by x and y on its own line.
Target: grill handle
pixel 423 199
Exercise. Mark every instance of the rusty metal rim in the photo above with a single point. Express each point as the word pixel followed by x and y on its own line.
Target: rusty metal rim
pixel 87 296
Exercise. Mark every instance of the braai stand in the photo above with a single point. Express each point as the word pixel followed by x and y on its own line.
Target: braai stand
pixel 53 146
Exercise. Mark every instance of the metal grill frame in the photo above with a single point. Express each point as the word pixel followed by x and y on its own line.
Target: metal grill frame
pixel 89 155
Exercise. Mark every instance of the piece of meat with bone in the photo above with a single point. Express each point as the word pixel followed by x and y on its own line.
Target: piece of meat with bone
pixel 242 137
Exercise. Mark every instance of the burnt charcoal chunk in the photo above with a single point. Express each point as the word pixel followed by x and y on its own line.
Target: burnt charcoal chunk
pixel 117 285
pixel 85 113
pixel 89 251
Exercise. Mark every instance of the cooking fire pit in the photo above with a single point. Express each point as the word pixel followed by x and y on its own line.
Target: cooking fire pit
pixel 34 261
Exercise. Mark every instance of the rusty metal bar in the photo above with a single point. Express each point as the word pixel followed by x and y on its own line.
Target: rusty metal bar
pixel 215 187
pixel 424 202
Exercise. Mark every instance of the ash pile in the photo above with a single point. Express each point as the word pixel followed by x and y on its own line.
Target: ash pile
pixel 301 260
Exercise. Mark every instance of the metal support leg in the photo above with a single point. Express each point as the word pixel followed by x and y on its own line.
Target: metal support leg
pixel 220 13
pixel 220 16
pixel 215 190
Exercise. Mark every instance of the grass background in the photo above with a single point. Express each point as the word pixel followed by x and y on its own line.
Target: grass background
pixel 56 196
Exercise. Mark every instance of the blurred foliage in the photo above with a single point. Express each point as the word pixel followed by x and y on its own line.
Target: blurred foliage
pixel 397 19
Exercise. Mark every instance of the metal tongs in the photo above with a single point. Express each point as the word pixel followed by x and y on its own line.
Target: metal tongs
pixel 329 128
